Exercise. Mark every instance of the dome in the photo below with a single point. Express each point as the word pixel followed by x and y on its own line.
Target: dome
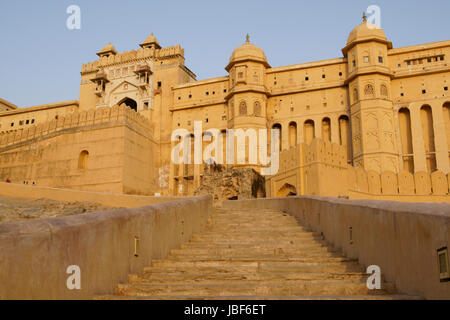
pixel 108 49
pixel 364 32
pixel 151 40
pixel 247 51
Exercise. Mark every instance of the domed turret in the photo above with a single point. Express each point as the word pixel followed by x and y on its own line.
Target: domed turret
pixel 150 42
pixel 366 31
pixel 247 52
pixel 107 50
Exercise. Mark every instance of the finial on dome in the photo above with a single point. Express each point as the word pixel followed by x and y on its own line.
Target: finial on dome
pixel 247 38
pixel 364 17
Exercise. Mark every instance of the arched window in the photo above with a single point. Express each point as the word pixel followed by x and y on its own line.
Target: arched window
pixel 232 109
pixel 344 135
pixel 355 95
pixel 277 126
pixel 368 90
pixel 83 159
pixel 428 136
pixel 243 109
pixel 257 109
pixel 404 119
pixel 308 129
pixel 383 91
pixel 326 129
pixel 446 112
pixel 292 134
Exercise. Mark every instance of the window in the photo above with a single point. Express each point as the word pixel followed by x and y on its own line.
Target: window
pixel 190 96
pixel 340 74
pixel 323 76
pixel 424 91
pixel 12 124
pixel 224 118
pixel 368 90
pixel 224 90
pixel 179 98
pixel 21 123
pixel 32 121
pixel 354 63
pixel 240 75
pixel 257 109
pixel 243 109
pixel 402 94
pixel 441 58
pixel 207 93
pixel 27 122
pixel 206 120
pixel 145 105
pixel 399 65
pixel 213 92
pixel 383 91
pixel 159 84
pixel 366 59
pixel 429 59
pixel 306 78
pixel 380 59
pixel 82 159
pixel 445 88
pixel 409 62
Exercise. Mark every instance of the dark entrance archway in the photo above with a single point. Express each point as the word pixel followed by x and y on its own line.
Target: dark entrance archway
pixel 129 103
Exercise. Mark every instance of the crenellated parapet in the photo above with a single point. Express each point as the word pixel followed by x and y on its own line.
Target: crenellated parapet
pixel 133 55
pixel 117 114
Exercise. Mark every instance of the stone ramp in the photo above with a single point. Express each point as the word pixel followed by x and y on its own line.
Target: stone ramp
pixel 253 254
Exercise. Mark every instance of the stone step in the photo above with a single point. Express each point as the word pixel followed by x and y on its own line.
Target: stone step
pixel 288 288
pixel 306 265
pixel 249 277
pixel 253 235
pixel 249 245
pixel 302 251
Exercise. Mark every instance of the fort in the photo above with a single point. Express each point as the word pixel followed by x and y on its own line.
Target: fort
pixel 387 107
pixel 363 177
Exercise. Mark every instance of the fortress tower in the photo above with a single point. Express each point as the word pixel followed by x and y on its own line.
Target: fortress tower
pixel 371 109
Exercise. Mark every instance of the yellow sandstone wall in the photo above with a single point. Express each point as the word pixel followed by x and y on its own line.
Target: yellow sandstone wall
pixel 117 142
pixel 401 238
pixel 35 255
pixel 321 168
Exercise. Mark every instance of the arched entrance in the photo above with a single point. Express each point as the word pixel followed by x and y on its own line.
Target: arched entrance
pixel 287 190
pixel 129 103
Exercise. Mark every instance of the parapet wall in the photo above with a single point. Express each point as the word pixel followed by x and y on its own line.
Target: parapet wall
pixel 35 255
pixel 404 183
pixel 79 119
pixel 133 55
pixel 401 238
pixel 321 168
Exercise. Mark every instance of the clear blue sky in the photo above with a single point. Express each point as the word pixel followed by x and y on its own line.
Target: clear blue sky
pixel 40 59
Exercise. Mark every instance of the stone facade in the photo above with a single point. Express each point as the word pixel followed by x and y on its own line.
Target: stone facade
pixel 387 107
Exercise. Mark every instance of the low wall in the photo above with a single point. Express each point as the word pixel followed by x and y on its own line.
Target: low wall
pixel 105 198
pixel 401 238
pixel 35 255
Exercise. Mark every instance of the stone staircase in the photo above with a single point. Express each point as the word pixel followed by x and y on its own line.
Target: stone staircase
pixel 254 254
